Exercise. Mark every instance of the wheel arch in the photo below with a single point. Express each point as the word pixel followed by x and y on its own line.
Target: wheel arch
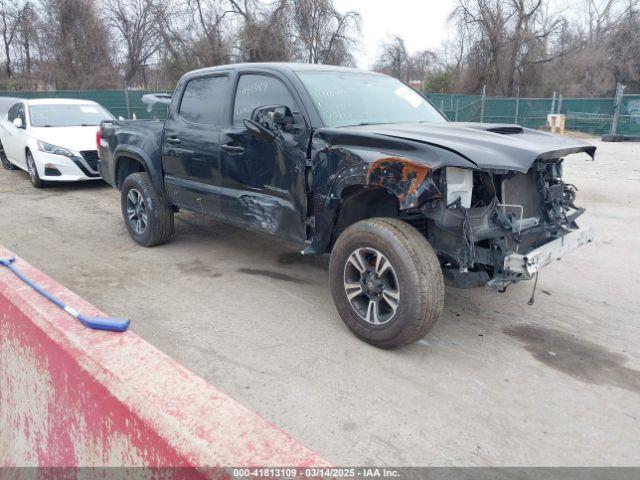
pixel 395 183
pixel 145 160
pixel 125 164
pixel 359 201
pixel 29 151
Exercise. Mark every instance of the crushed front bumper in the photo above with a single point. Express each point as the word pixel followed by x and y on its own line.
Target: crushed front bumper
pixel 526 265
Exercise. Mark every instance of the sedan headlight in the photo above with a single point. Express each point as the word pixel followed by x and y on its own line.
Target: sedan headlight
pixel 47 147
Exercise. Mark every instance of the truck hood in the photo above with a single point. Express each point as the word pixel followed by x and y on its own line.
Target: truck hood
pixel 484 145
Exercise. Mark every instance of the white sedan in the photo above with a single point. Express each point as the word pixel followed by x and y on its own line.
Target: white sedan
pixel 54 140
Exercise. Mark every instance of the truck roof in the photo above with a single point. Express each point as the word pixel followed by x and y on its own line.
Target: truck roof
pixel 284 67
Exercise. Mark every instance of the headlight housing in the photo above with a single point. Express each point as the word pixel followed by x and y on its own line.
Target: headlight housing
pixel 459 185
pixel 47 147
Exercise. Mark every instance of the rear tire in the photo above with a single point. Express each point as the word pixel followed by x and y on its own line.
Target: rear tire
pixel 148 217
pixel 402 303
pixel 5 161
pixel 33 172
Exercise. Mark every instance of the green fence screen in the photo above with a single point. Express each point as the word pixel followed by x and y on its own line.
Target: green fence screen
pixel 113 100
pixel 589 115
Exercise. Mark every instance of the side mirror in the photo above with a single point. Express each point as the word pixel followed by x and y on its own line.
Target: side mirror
pixel 17 122
pixel 258 130
pixel 274 118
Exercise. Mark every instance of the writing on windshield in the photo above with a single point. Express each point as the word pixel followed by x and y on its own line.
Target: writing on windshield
pixel 357 98
pixel 67 115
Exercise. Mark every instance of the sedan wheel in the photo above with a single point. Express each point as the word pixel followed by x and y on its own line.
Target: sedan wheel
pixel 33 172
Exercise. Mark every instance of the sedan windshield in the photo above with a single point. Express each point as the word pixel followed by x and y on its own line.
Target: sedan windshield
pixel 360 98
pixel 70 115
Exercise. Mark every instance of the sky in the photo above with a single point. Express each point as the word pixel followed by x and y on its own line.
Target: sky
pixel 422 24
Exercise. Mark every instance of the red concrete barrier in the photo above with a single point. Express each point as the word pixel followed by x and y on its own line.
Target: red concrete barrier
pixel 70 396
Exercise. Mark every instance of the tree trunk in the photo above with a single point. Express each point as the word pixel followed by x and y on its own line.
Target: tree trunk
pixel 27 52
pixel 8 64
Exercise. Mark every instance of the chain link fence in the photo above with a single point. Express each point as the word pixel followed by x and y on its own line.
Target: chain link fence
pixel 121 103
pixel 589 115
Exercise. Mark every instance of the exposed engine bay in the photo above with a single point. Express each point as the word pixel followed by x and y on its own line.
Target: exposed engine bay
pixel 493 227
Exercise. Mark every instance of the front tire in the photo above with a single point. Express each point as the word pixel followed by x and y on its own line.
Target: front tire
pixel 33 172
pixel 148 217
pixel 386 282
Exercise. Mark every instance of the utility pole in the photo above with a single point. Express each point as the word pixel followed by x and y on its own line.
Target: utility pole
pixel 517 103
pixel 126 99
pixel 484 94
pixel 559 104
pixel 617 104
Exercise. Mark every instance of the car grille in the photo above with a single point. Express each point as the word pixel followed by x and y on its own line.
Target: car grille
pixel 91 157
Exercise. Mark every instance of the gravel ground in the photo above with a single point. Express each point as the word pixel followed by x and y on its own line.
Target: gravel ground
pixel 496 382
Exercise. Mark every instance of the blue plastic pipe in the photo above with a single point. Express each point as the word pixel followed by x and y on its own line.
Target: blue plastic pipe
pixel 111 324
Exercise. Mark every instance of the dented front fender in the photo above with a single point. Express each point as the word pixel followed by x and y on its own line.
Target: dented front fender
pixel 410 181
pixel 334 169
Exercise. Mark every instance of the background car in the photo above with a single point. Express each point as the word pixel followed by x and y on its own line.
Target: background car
pixel 5 104
pixel 54 140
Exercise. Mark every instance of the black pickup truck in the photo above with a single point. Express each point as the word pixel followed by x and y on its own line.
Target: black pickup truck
pixel 357 164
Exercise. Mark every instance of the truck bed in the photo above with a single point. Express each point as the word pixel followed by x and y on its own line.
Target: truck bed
pixel 142 136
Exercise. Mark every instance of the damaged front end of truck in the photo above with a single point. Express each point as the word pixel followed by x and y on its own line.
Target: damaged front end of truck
pixel 497 226
pixel 490 199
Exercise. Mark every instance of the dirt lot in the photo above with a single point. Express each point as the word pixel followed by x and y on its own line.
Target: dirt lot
pixel 495 383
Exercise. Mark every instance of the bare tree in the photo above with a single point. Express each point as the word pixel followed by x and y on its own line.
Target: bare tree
pixel 27 34
pixel 74 46
pixel 506 40
pixel 602 47
pixel 212 45
pixel 325 35
pixel 10 15
pixel 265 33
pixel 394 58
pixel 625 41
pixel 582 47
pixel 134 23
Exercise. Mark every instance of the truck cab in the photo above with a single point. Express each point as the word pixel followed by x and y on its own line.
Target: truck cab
pixel 208 161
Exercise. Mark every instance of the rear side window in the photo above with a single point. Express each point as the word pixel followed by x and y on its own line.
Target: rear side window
pixel 259 91
pixel 203 100
pixel 22 115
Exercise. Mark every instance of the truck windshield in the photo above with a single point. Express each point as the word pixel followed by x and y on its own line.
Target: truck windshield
pixel 70 115
pixel 360 98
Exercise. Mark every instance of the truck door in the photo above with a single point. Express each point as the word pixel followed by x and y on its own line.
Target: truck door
pixel 264 181
pixel 190 144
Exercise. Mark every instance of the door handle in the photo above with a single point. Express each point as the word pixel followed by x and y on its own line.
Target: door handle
pixel 231 148
pixel 173 140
